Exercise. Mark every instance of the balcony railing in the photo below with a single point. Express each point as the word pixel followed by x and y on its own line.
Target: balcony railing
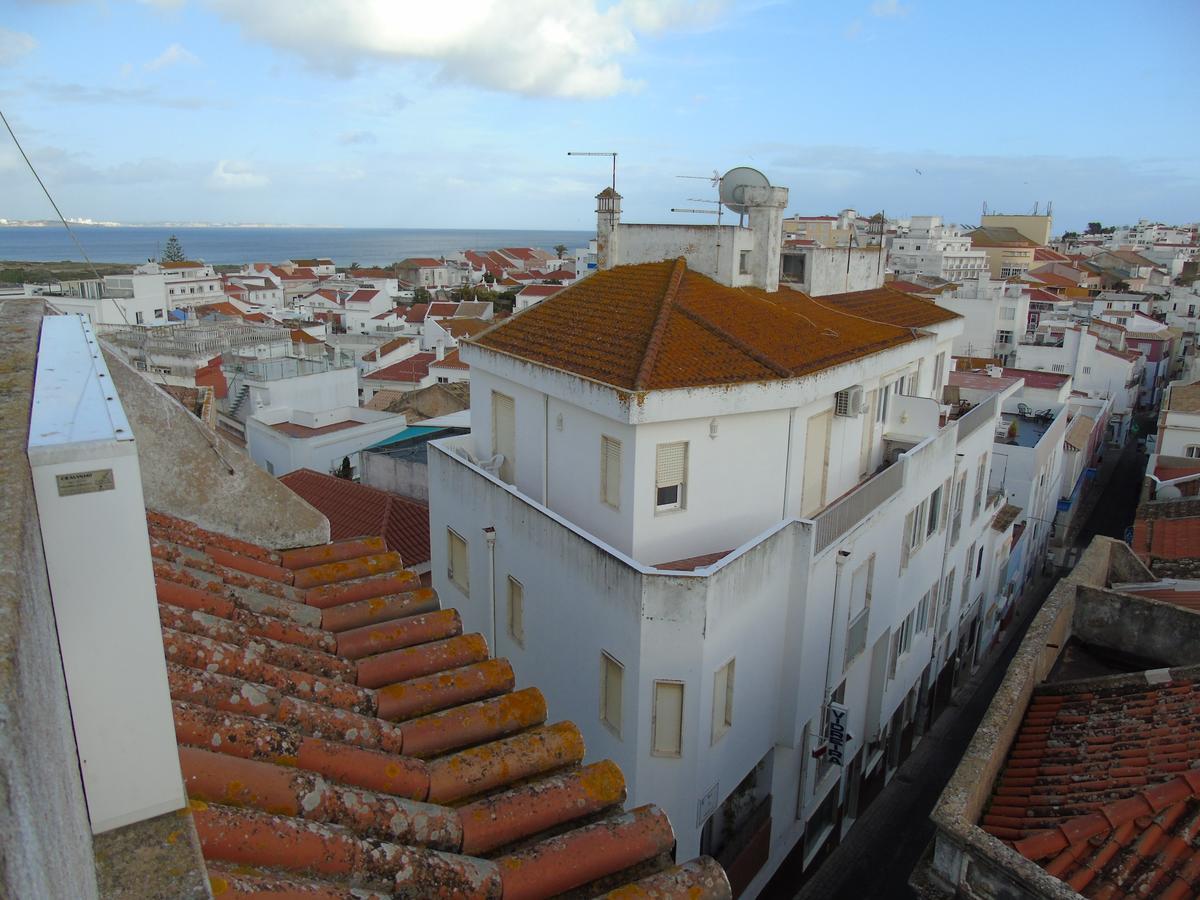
pixel 972 421
pixel 842 515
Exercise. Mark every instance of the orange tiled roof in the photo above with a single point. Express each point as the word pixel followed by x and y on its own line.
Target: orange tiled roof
pixel 465 327
pixel 413 369
pixel 385 349
pixel 358 510
pixel 892 307
pixel 338 730
pixel 658 326
pixel 1099 790
pixel 450 361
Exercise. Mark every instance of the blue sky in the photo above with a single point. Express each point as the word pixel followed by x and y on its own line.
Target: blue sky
pixel 460 113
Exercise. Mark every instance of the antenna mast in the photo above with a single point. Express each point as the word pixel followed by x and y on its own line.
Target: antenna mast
pixel 613 154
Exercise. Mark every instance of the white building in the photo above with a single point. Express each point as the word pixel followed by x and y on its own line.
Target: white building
pixel 931 248
pixel 818 270
pixel 730 532
pixel 283 439
pixel 1097 368
pixel 175 284
pixel 995 316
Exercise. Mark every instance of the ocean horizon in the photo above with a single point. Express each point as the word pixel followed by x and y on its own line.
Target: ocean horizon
pixel 233 245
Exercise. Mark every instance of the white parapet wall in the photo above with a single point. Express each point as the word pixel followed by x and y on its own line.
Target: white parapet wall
pixel 93 522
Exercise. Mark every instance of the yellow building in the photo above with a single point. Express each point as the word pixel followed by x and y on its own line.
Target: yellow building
pixel 1009 252
pixel 1035 228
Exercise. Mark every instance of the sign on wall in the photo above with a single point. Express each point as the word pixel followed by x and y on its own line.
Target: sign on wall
pixel 837 737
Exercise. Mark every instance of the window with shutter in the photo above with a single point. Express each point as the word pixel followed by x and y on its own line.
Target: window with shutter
pixel 670 476
pixel 610 471
pixel 458 569
pixel 722 701
pixel 516 610
pixel 906 540
pixel 945 505
pixel 667 723
pixel 612 676
pixel 504 434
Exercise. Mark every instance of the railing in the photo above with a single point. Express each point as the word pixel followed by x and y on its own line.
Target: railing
pixel 975 419
pixel 842 515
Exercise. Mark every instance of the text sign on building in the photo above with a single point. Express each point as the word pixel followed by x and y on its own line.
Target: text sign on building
pixel 89 482
pixel 837 736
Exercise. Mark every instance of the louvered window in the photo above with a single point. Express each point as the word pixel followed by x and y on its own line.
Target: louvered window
pixel 612 677
pixel 670 475
pixel 458 569
pixel 610 471
pixel 667 726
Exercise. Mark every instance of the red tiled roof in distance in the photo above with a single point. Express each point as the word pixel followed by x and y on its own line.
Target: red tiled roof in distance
pixel 657 326
pixel 450 361
pixel 421 262
pixel 348 735
pixel 540 290
pixel 413 369
pixel 354 510
pixel 416 312
pixel 442 310
pixel 304 431
pixel 1037 379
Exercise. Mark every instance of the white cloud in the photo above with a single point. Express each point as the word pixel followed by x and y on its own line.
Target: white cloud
pixel 350 138
pixel 231 174
pixel 558 48
pixel 14 45
pixel 886 9
pixel 173 55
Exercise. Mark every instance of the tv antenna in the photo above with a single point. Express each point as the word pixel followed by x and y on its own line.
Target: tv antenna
pixel 715 180
pixel 600 153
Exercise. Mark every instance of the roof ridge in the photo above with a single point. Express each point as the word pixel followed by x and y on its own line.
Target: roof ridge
pixel 654 344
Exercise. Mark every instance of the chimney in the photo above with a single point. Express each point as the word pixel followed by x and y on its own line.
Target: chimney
pixel 766 221
pixel 441 349
pixel 608 227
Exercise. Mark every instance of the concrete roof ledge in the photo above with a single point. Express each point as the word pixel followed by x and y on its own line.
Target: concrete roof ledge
pixel 190 472
pixel 961 804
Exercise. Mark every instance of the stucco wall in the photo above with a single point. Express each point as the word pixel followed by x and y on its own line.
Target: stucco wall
pixel 406 477
pixel 191 472
pixel 45 837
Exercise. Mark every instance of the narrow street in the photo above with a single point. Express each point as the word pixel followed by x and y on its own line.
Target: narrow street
pixel 887 841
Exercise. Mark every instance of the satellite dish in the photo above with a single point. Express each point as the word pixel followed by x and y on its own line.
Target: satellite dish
pixel 734 184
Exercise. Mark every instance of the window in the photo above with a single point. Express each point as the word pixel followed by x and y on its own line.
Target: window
pixel 458 569
pixel 516 610
pixel 979 563
pixel 666 724
pixel 934 522
pixel 980 475
pixel 744 262
pixel 1004 337
pixel 947 600
pixel 922 620
pixel 137 316
pixel 612 675
pixel 722 701
pixel 270 467
pixel 939 375
pixel 504 434
pixel 1192 451
pixel 901 642
pixel 610 471
pixel 442 380
pixel 158 314
pixel 862 583
pixel 1008 312
pixel 960 491
pixel 670 476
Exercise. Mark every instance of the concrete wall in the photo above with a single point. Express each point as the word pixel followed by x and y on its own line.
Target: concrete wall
pixel 407 477
pixel 45 837
pixel 1147 628
pixel 190 471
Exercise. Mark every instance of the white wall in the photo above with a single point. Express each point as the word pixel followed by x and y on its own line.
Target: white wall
pixel 322 453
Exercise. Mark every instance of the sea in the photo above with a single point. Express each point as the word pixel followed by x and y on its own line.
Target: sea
pixel 235 245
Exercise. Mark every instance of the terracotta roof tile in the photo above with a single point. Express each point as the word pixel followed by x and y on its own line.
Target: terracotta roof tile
pixel 411 370
pixel 339 743
pixel 358 509
pixel 659 326
pixel 890 306
pixel 1100 788
pixel 1038 379
pixel 450 361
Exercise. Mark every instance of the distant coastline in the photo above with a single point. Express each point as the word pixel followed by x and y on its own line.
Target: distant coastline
pixel 236 244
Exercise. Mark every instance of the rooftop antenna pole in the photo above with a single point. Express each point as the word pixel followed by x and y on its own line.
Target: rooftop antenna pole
pixel 715 180
pixel 614 168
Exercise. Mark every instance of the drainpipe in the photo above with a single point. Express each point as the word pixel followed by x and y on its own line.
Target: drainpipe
pixel 843 557
pixel 489 535
pixel 787 463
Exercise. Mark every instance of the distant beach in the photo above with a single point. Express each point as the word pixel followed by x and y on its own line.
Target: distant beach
pixel 228 246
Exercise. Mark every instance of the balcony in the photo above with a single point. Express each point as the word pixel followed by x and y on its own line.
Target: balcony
pixel 847 511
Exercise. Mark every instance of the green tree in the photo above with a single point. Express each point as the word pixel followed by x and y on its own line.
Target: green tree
pixel 173 251
pixel 489 277
pixel 420 295
pixel 344 469
pixel 560 249
pixel 1094 228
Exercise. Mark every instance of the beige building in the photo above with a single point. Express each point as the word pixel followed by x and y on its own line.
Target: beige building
pixel 1036 228
pixel 1009 252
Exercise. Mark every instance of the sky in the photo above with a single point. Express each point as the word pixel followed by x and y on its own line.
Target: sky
pixel 461 113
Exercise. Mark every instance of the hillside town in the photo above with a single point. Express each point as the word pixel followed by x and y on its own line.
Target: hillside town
pixel 656 568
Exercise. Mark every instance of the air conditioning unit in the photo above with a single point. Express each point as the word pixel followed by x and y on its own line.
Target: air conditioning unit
pixel 848 402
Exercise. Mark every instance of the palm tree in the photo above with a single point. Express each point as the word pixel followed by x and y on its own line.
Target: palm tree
pixel 560 249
